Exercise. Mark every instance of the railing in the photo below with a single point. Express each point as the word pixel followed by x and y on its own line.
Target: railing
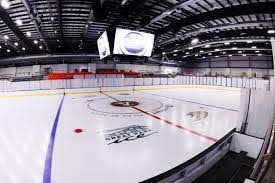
pixel 7 86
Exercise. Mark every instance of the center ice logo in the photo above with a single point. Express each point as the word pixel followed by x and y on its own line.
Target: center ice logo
pixel 129 133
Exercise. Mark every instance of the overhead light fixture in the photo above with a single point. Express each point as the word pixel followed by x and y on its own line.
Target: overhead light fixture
pixel 175 54
pixel 271 31
pixel 6 37
pixel 201 51
pixel 230 55
pixel 227 43
pixel 195 41
pixel 190 48
pixel 209 53
pixel 254 47
pixel 207 46
pixel 217 49
pixel 16 44
pixel 203 57
pixel 8 50
pixel 23 48
pixel 5 4
pixel 168 12
pixel 40 47
pixel 29 34
pixel 249 41
pixel 240 52
pixel 244 55
pixel 234 48
pixel 187 53
pixel 257 51
pixel 217 56
pixel 35 41
pixel 259 54
pixel 163 53
pixel 224 52
pixel 19 22
pixel 196 55
pixel 176 50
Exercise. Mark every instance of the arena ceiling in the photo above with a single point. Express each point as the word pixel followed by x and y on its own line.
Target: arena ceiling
pixel 222 27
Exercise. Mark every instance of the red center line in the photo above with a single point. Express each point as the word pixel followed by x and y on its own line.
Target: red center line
pixel 170 123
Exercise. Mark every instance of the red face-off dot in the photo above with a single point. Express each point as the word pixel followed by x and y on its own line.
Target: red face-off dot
pixel 78 130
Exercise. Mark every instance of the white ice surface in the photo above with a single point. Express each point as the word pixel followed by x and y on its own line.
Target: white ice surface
pixel 85 157
pixel 25 128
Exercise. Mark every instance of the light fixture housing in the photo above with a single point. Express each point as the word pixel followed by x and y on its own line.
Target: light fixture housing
pixel 19 22
pixel 29 34
pixel 6 37
pixel 194 41
pixel 5 4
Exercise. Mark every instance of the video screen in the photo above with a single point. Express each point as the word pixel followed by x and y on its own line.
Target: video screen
pixel 128 42
pixel 103 46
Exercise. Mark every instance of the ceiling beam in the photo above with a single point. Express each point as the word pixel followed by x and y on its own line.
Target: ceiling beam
pixel 8 42
pixel 11 25
pixel 228 49
pixel 218 27
pixel 171 10
pixel 125 10
pixel 47 57
pixel 34 17
pixel 244 9
pixel 215 36
pixel 87 25
pixel 59 11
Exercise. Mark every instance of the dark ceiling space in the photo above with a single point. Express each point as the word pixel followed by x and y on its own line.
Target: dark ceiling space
pixel 36 27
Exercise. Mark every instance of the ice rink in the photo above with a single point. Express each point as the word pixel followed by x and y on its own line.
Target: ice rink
pixel 122 136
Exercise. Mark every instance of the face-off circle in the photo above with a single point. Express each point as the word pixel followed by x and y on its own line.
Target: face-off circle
pixel 124 103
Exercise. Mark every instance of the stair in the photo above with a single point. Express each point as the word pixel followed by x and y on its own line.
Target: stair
pixel 233 168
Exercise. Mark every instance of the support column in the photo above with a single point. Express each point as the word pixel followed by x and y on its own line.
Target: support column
pixel 273 51
pixel 272 82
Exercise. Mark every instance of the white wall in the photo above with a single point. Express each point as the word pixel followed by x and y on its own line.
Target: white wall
pixel 138 68
pixel 61 68
pixel 231 71
pixel 24 71
pixel 10 71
